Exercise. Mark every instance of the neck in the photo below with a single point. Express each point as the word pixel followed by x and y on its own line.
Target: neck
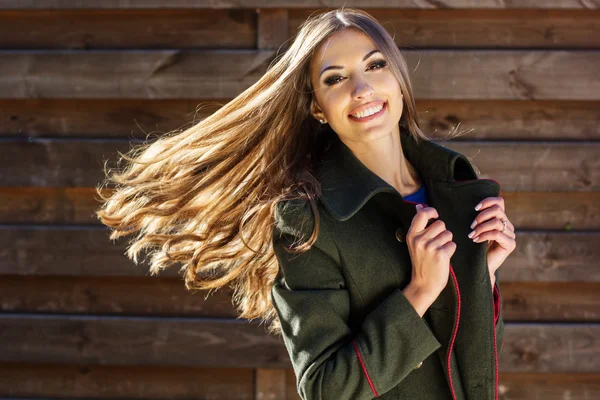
pixel 386 159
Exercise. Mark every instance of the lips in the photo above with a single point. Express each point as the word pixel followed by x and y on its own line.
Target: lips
pixel 370 104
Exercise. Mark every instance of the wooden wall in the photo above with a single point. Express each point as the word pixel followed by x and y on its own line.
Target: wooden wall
pixel 79 80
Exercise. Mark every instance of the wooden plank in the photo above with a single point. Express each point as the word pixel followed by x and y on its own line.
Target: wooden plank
pixel 68 251
pixel 80 251
pixel 45 381
pixel 550 301
pixel 270 384
pixel 553 348
pixel 130 74
pixel 504 74
pixel 568 211
pixel 442 4
pixel 522 301
pixel 221 28
pixel 518 166
pixel 133 29
pixel 536 166
pixel 165 341
pixel 441 74
pixel 482 28
pixel 528 385
pixel 136 118
pixel 512 119
pixel 112 296
pixel 272 29
pixel 544 257
pixel 571 211
pixel 34 338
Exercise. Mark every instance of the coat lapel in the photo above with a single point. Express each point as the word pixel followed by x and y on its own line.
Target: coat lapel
pixel 453 189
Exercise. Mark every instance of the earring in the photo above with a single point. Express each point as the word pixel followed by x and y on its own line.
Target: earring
pixel 321 121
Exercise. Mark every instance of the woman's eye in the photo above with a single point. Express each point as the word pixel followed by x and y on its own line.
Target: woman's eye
pixel 380 64
pixel 334 79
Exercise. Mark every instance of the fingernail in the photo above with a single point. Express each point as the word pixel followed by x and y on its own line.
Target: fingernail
pixel 476 239
pixel 477 207
pixel 471 234
pixel 473 224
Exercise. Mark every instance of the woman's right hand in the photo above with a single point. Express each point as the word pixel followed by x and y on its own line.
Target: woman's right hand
pixel 430 248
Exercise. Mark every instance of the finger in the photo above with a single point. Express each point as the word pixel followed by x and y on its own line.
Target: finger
pixel 503 240
pixel 491 225
pixel 490 201
pixel 419 222
pixel 494 211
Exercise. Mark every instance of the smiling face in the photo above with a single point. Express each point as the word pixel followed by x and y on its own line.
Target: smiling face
pixel 351 80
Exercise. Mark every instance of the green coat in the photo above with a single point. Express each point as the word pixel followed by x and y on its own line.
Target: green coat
pixel 348 328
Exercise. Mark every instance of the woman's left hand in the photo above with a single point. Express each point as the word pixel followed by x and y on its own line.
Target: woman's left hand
pixel 488 226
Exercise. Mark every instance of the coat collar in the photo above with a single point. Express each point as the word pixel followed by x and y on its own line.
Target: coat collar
pixel 347 184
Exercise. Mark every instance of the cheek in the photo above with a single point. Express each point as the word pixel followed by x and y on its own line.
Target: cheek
pixel 333 104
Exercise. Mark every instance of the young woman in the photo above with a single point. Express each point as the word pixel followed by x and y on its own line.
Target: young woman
pixel 325 151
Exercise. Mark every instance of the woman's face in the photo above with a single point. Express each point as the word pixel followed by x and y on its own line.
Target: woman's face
pixel 346 83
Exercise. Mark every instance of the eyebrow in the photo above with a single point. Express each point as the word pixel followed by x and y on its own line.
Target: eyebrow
pixel 369 54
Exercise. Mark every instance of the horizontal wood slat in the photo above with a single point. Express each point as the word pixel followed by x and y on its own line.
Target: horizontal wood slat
pixel 163 4
pixel 521 301
pixel 78 251
pixel 569 211
pixel 140 341
pixel 198 342
pixel 229 29
pixel 85 381
pixel 518 166
pixel 121 29
pixel 481 28
pixel 134 74
pixel 134 119
pixel 148 74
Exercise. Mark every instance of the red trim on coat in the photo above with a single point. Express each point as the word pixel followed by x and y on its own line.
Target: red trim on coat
pixel 455 330
pixel 496 304
pixel 362 364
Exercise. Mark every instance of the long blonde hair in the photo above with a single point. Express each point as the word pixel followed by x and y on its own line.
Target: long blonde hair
pixel 206 196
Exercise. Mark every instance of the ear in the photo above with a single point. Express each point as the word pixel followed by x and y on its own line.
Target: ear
pixel 315 110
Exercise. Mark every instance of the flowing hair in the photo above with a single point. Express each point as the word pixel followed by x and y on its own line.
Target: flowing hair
pixel 205 197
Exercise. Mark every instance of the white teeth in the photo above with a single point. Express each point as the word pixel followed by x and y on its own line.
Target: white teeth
pixel 367 112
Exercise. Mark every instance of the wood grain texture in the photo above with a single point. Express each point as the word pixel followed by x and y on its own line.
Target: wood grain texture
pixel 128 29
pixel 271 27
pixel 481 28
pixel 152 341
pixel 161 74
pixel 443 4
pixel 270 384
pixel 87 381
pixel 130 74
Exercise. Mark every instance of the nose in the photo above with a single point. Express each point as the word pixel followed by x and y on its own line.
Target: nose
pixel 362 90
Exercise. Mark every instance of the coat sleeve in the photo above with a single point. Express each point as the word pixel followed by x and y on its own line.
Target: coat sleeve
pixel 330 361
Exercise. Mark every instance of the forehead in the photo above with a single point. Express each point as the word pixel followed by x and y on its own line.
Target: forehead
pixel 341 48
